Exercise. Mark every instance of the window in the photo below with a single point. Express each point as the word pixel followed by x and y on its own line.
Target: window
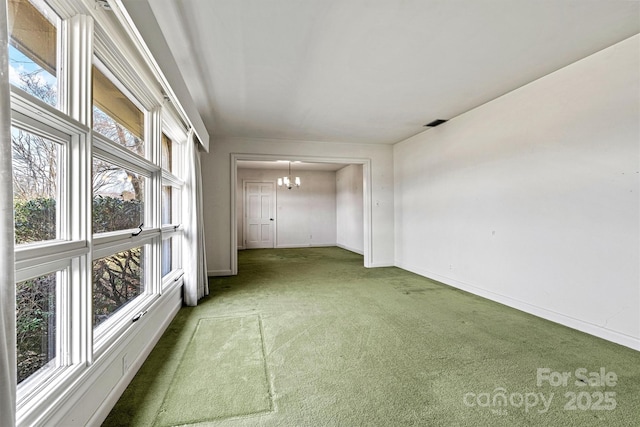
pixel 35 186
pixel 118 197
pixel 82 186
pixel 171 209
pixel 171 259
pixel 167 196
pixel 123 180
pixel 170 205
pixel 117 280
pixel 171 184
pixel 39 154
pixel 36 324
pixel 167 152
pixel 115 115
pixel 32 50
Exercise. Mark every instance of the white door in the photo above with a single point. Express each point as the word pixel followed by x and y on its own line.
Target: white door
pixel 258 209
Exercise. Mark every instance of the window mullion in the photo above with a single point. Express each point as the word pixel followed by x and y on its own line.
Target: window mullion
pixel 76 101
pixel 77 47
pixel 64 319
pixel 80 310
pixel 171 190
pixel 154 136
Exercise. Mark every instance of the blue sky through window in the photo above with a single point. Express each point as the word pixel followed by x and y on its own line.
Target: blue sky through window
pixel 29 76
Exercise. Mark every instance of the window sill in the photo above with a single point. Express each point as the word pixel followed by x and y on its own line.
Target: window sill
pixel 109 332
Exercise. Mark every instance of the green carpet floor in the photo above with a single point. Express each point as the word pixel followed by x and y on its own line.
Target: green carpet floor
pixel 221 375
pixel 309 337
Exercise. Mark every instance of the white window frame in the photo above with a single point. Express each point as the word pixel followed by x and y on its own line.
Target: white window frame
pixel 37 117
pixel 111 243
pixel 113 78
pixel 174 129
pixel 56 20
pixel 87 36
pixel 109 331
pixel 42 258
pixel 33 386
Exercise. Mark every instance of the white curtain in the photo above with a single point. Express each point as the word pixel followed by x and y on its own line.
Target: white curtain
pixel 196 283
pixel 7 286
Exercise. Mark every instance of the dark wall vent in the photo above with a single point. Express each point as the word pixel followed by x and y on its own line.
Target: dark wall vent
pixel 435 123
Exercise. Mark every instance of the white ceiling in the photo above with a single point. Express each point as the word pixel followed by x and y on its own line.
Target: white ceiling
pixel 372 71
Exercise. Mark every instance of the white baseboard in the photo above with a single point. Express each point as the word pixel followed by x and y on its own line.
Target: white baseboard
pixel 350 249
pixel 218 273
pixel 305 245
pixel 571 322
pixel 379 265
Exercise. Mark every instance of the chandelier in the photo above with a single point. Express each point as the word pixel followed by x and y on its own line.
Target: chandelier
pixel 286 181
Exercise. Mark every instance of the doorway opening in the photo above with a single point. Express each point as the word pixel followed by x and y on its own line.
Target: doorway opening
pixel 301 216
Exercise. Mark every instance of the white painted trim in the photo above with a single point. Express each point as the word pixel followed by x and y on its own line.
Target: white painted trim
pixel 367 211
pixel 367 198
pixel 76 96
pixel 112 47
pixel 115 153
pixel 44 268
pixel 33 110
pixel 233 268
pixel 56 406
pixel 126 243
pixel 220 273
pixel 379 265
pixel 571 322
pixel 350 249
pixel 107 404
pixel 162 65
pixel 106 335
pixel 170 179
pixel 83 375
pixel 306 245
pixel 50 248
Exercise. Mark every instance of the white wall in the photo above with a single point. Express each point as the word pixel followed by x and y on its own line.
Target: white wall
pixel 217 191
pixel 349 211
pixel 532 199
pixel 305 216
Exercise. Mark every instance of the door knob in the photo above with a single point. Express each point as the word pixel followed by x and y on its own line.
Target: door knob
pixel 270 219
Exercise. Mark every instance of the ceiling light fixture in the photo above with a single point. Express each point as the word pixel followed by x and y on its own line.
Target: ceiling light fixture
pixel 286 181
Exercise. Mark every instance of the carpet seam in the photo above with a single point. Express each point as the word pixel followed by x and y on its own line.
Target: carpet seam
pixel 173 377
pixel 235 416
pixel 264 364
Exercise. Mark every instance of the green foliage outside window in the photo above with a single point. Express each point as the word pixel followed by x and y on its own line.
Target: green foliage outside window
pixel 35 324
pixel 116 279
pixel 110 214
pixel 35 219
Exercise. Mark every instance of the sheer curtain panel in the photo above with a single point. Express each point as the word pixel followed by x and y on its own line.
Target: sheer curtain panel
pixel 7 286
pixel 196 283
